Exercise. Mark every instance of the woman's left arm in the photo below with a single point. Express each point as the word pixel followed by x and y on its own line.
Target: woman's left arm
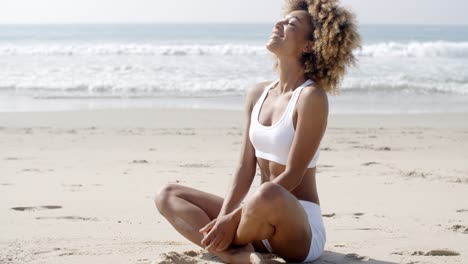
pixel 312 115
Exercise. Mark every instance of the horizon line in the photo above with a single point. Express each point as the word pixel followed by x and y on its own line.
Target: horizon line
pixel 206 23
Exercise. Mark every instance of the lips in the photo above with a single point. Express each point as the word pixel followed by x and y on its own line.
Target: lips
pixel 277 34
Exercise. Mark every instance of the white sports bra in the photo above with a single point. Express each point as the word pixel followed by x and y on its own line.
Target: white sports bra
pixel 274 142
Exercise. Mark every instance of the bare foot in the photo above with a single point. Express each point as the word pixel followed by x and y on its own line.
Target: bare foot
pixel 241 255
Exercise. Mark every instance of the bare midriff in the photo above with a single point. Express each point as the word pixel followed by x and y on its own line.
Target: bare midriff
pixel 306 190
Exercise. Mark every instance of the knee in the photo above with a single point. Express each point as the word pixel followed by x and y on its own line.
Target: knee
pixel 163 196
pixel 269 192
pixel 266 196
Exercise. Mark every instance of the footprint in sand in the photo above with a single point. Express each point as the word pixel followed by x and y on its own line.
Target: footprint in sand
pixel 328 215
pixel 357 215
pixel 384 149
pixel 366 229
pixel 28 130
pixel 34 208
pixel 195 165
pixel 436 252
pixel 185 132
pixel 460 180
pixel 362 146
pixel 415 174
pixel 32 170
pixel 139 162
pixel 370 163
pixel 11 158
pixel 357 257
pixel 460 228
pixel 73 218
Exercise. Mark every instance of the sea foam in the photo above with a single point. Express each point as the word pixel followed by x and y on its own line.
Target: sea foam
pixel 442 49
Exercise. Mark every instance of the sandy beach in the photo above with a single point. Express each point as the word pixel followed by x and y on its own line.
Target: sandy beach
pixel 78 187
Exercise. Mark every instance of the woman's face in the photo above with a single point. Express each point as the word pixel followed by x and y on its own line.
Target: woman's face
pixel 290 36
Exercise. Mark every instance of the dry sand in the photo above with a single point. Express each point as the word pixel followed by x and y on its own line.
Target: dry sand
pixel 77 187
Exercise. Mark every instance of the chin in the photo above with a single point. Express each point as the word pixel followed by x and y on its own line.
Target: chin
pixel 273 46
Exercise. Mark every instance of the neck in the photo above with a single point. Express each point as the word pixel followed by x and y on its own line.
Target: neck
pixel 291 74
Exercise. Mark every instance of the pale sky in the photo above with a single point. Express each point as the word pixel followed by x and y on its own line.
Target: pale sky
pixel 238 11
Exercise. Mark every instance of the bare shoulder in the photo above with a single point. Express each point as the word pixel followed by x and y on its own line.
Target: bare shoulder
pixel 255 91
pixel 313 98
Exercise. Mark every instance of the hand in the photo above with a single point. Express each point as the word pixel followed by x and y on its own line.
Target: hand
pixel 219 233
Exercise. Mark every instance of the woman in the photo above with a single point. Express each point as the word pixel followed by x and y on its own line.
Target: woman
pixel 285 122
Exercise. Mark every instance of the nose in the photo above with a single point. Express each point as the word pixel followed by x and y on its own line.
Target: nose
pixel 279 25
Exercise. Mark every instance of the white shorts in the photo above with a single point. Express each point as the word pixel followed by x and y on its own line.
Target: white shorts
pixel 317 245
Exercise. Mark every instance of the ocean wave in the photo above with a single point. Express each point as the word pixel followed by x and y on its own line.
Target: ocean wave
pixel 411 87
pixel 404 89
pixel 441 49
pixel 108 90
pixel 222 88
pixel 133 49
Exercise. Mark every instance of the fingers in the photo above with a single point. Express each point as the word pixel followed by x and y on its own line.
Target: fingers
pixel 209 237
pixel 208 226
pixel 223 245
pixel 215 242
pixel 215 236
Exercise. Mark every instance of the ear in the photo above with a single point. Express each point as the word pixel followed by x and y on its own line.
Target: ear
pixel 309 47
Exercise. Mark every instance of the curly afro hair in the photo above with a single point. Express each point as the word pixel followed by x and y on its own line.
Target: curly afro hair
pixel 335 36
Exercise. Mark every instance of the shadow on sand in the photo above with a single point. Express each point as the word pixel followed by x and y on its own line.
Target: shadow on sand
pixel 328 257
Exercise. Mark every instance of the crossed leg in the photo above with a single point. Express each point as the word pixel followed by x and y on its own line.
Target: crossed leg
pixel 188 210
pixel 271 213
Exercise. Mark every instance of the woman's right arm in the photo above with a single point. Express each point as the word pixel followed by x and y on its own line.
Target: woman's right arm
pixel 220 232
pixel 245 172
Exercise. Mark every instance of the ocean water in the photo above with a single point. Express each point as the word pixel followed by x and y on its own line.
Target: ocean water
pixel 401 69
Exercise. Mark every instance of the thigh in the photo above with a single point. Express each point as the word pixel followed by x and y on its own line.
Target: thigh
pixel 293 236
pixel 211 204
pixel 274 206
